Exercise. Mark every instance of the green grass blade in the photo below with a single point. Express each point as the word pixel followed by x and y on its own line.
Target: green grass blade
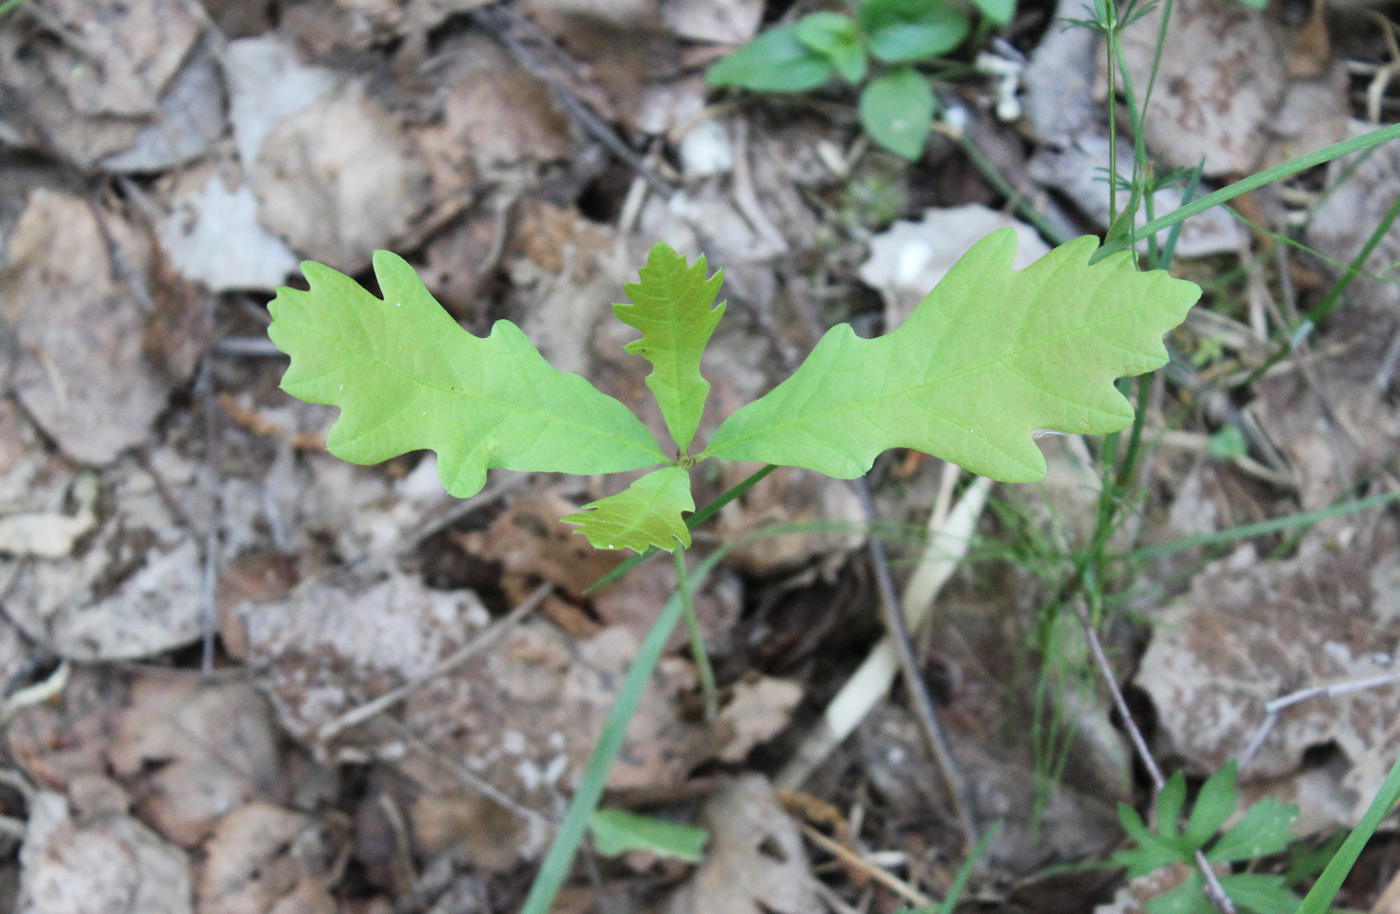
pixel 1319 900
pixel 557 862
pixel 1253 182
pixel 1260 529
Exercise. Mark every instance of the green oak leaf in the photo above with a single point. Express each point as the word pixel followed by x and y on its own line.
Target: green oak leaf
pixel 407 377
pixel 673 306
pixel 991 355
pixel 648 513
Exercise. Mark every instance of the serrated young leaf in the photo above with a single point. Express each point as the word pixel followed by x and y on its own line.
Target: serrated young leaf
pixel 648 513
pixel 1260 893
pixel 988 357
pixel 674 307
pixel 617 831
pixel 407 377
pixel 1263 830
pixel 1186 898
pixel 1170 799
pixel 1214 804
pixel 1151 853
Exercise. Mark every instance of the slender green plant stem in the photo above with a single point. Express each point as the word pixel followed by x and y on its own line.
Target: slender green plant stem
pixel 697 640
pixel 1003 186
pixel 555 868
pixel 1253 182
pixel 1334 294
pixel 691 522
pixel 1319 899
pixel 1260 529
pixel 9 5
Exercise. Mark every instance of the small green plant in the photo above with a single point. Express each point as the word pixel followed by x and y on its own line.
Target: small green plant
pixel 1262 830
pixel 896 104
pixel 988 358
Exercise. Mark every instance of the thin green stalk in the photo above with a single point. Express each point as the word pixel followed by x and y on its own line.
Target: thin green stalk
pixel 1253 182
pixel 1111 34
pixel 1023 209
pixel 1319 900
pixel 1260 529
pixel 1334 294
pixel 691 522
pixel 697 640
pixel 9 5
pixel 555 867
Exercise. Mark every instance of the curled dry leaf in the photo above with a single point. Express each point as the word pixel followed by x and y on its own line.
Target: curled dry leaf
pixel 338 202
pixel 264 859
pixel 196 751
pixel 1251 631
pixel 82 373
pixel 755 862
pixel 96 865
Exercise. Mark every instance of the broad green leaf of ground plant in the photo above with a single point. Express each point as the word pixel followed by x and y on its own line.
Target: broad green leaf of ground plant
pixel 839 38
pixel 775 61
pixel 999 11
pixel 990 356
pixel 407 377
pixel 673 305
pixel 900 31
pixel 896 109
pixel 648 513
pixel 617 831
pixel 1263 830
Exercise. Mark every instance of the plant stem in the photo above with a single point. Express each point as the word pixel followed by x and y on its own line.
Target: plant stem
pixel 1213 889
pixel 697 640
pixel 1253 182
pixel 555 867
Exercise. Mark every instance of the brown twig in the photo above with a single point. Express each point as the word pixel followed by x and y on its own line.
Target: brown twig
pixel 924 710
pixel 486 639
pixel 1213 889
pixel 851 858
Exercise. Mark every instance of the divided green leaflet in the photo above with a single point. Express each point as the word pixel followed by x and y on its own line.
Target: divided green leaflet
pixel 989 357
pixel 648 513
pixel 673 306
pixel 407 377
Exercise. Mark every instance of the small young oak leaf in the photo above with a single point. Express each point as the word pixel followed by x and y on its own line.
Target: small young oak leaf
pixel 673 306
pixel 990 356
pixel 648 513
pixel 407 377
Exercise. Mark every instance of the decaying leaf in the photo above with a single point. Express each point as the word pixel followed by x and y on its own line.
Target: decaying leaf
pixel 96 865
pixel 82 374
pixel 756 862
pixel 1251 631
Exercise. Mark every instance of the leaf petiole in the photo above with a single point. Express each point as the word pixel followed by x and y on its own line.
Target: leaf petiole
pixel 697 640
